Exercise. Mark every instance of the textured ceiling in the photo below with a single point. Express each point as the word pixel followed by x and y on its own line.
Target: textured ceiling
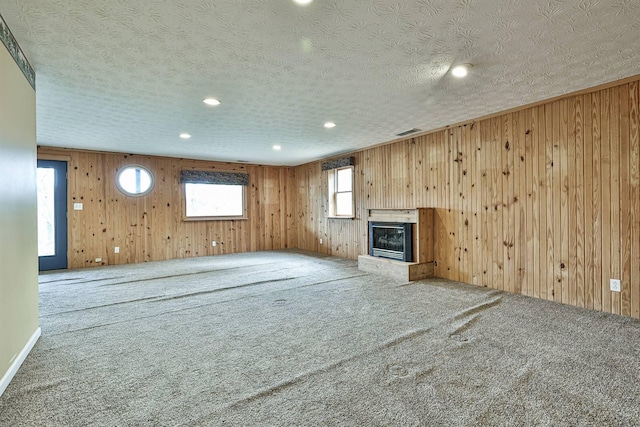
pixel 130 76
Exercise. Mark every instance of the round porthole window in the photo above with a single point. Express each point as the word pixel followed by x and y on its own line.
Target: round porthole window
pixel 134 180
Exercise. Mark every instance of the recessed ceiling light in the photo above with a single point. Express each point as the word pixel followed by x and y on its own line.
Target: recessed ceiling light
pixel 277 147
pixel 185 136
pixel 461 70
pixel 303 2
pixel 211 101
pixel 329 125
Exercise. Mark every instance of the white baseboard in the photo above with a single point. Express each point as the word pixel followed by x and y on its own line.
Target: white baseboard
pixel 13 369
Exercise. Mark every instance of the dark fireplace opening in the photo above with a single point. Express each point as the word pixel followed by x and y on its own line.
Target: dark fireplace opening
pixel 391 240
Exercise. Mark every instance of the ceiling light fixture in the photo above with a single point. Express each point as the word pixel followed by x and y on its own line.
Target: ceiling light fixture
pixel 185 136
pixel 461 70
pixel 303 2
pixel 277 147
pixel 211 101
pixel 329 125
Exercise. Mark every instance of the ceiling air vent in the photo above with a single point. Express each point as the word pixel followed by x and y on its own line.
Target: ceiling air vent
pixel 409 132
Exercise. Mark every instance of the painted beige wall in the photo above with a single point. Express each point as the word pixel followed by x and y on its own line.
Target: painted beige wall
pixel 18 240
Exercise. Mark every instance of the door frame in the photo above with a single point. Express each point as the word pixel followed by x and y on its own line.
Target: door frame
pixel 60 259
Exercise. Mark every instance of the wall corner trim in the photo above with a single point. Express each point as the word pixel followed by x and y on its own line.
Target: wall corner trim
pixel 13 369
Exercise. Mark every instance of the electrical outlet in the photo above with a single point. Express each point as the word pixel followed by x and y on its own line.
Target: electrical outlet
pixel 98 259
pixel 116 250
pixel 77 206
pixel 214 243
pixel 320 241
pixel 614 284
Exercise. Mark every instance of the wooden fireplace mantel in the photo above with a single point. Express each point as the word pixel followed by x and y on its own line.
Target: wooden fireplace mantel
pixel 423 242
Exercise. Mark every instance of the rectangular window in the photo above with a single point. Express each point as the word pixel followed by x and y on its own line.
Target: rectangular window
pixel 211 195
pixel 214 200
pixel 341 192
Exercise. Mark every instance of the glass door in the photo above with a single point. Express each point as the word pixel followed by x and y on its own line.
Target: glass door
pixel 52 215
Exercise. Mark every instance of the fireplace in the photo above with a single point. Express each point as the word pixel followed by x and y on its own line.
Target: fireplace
pixel 391 240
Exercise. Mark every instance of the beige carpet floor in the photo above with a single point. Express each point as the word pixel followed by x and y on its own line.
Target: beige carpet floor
pixel 289 338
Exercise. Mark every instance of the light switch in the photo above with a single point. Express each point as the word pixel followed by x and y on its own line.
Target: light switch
pixel 77 206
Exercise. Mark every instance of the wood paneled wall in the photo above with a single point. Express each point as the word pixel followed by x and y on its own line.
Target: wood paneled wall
pixel 544 201
pixel 151 228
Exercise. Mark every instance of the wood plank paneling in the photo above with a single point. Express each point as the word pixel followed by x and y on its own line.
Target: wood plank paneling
pixel 588 229
pixel 496 199
pixel 520 202
pixel 634 191
pixel 508 208
pixel 541 201
pixel 605 204
pixel 542 204
pixel 150 228
pixel 577 210
pixel 553 200
pixel 626 214
pixel 614 184
pixel 534 214
pixel 563 254
pixel 487 204
pixel 596 231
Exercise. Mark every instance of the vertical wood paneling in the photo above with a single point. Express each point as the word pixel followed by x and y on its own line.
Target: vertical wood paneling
pixel 523 243
pixel 507 203
pixel 563 229
pixel 487 205
pixel 541 202
pixel 467 225
pixel 569 169
pixel 605 204
pixel 559 200
pixel 576 213
pixel 476 202
pixel 150 228
pixel 534 212
pixel 589 240
pixel 626 215
pixel 614 184
pixel 496 200
pixel 596 205
pixel 552 202
pixel 634 191
pixel 465 211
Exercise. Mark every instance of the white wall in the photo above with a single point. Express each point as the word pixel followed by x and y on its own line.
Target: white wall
pixel 18 239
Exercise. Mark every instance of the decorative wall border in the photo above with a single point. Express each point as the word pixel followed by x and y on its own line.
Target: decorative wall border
pixel 209 177
pixel 338 163
pixel 16 52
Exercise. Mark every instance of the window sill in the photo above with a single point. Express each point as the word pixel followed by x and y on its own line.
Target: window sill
pixel 341 217
pixel 215 218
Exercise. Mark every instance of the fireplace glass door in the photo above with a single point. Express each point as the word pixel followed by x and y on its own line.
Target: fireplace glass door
pixel 391 240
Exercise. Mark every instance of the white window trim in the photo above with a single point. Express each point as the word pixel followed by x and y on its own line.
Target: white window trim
pixel 242 217
pixel 333 192
pixel 134 166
